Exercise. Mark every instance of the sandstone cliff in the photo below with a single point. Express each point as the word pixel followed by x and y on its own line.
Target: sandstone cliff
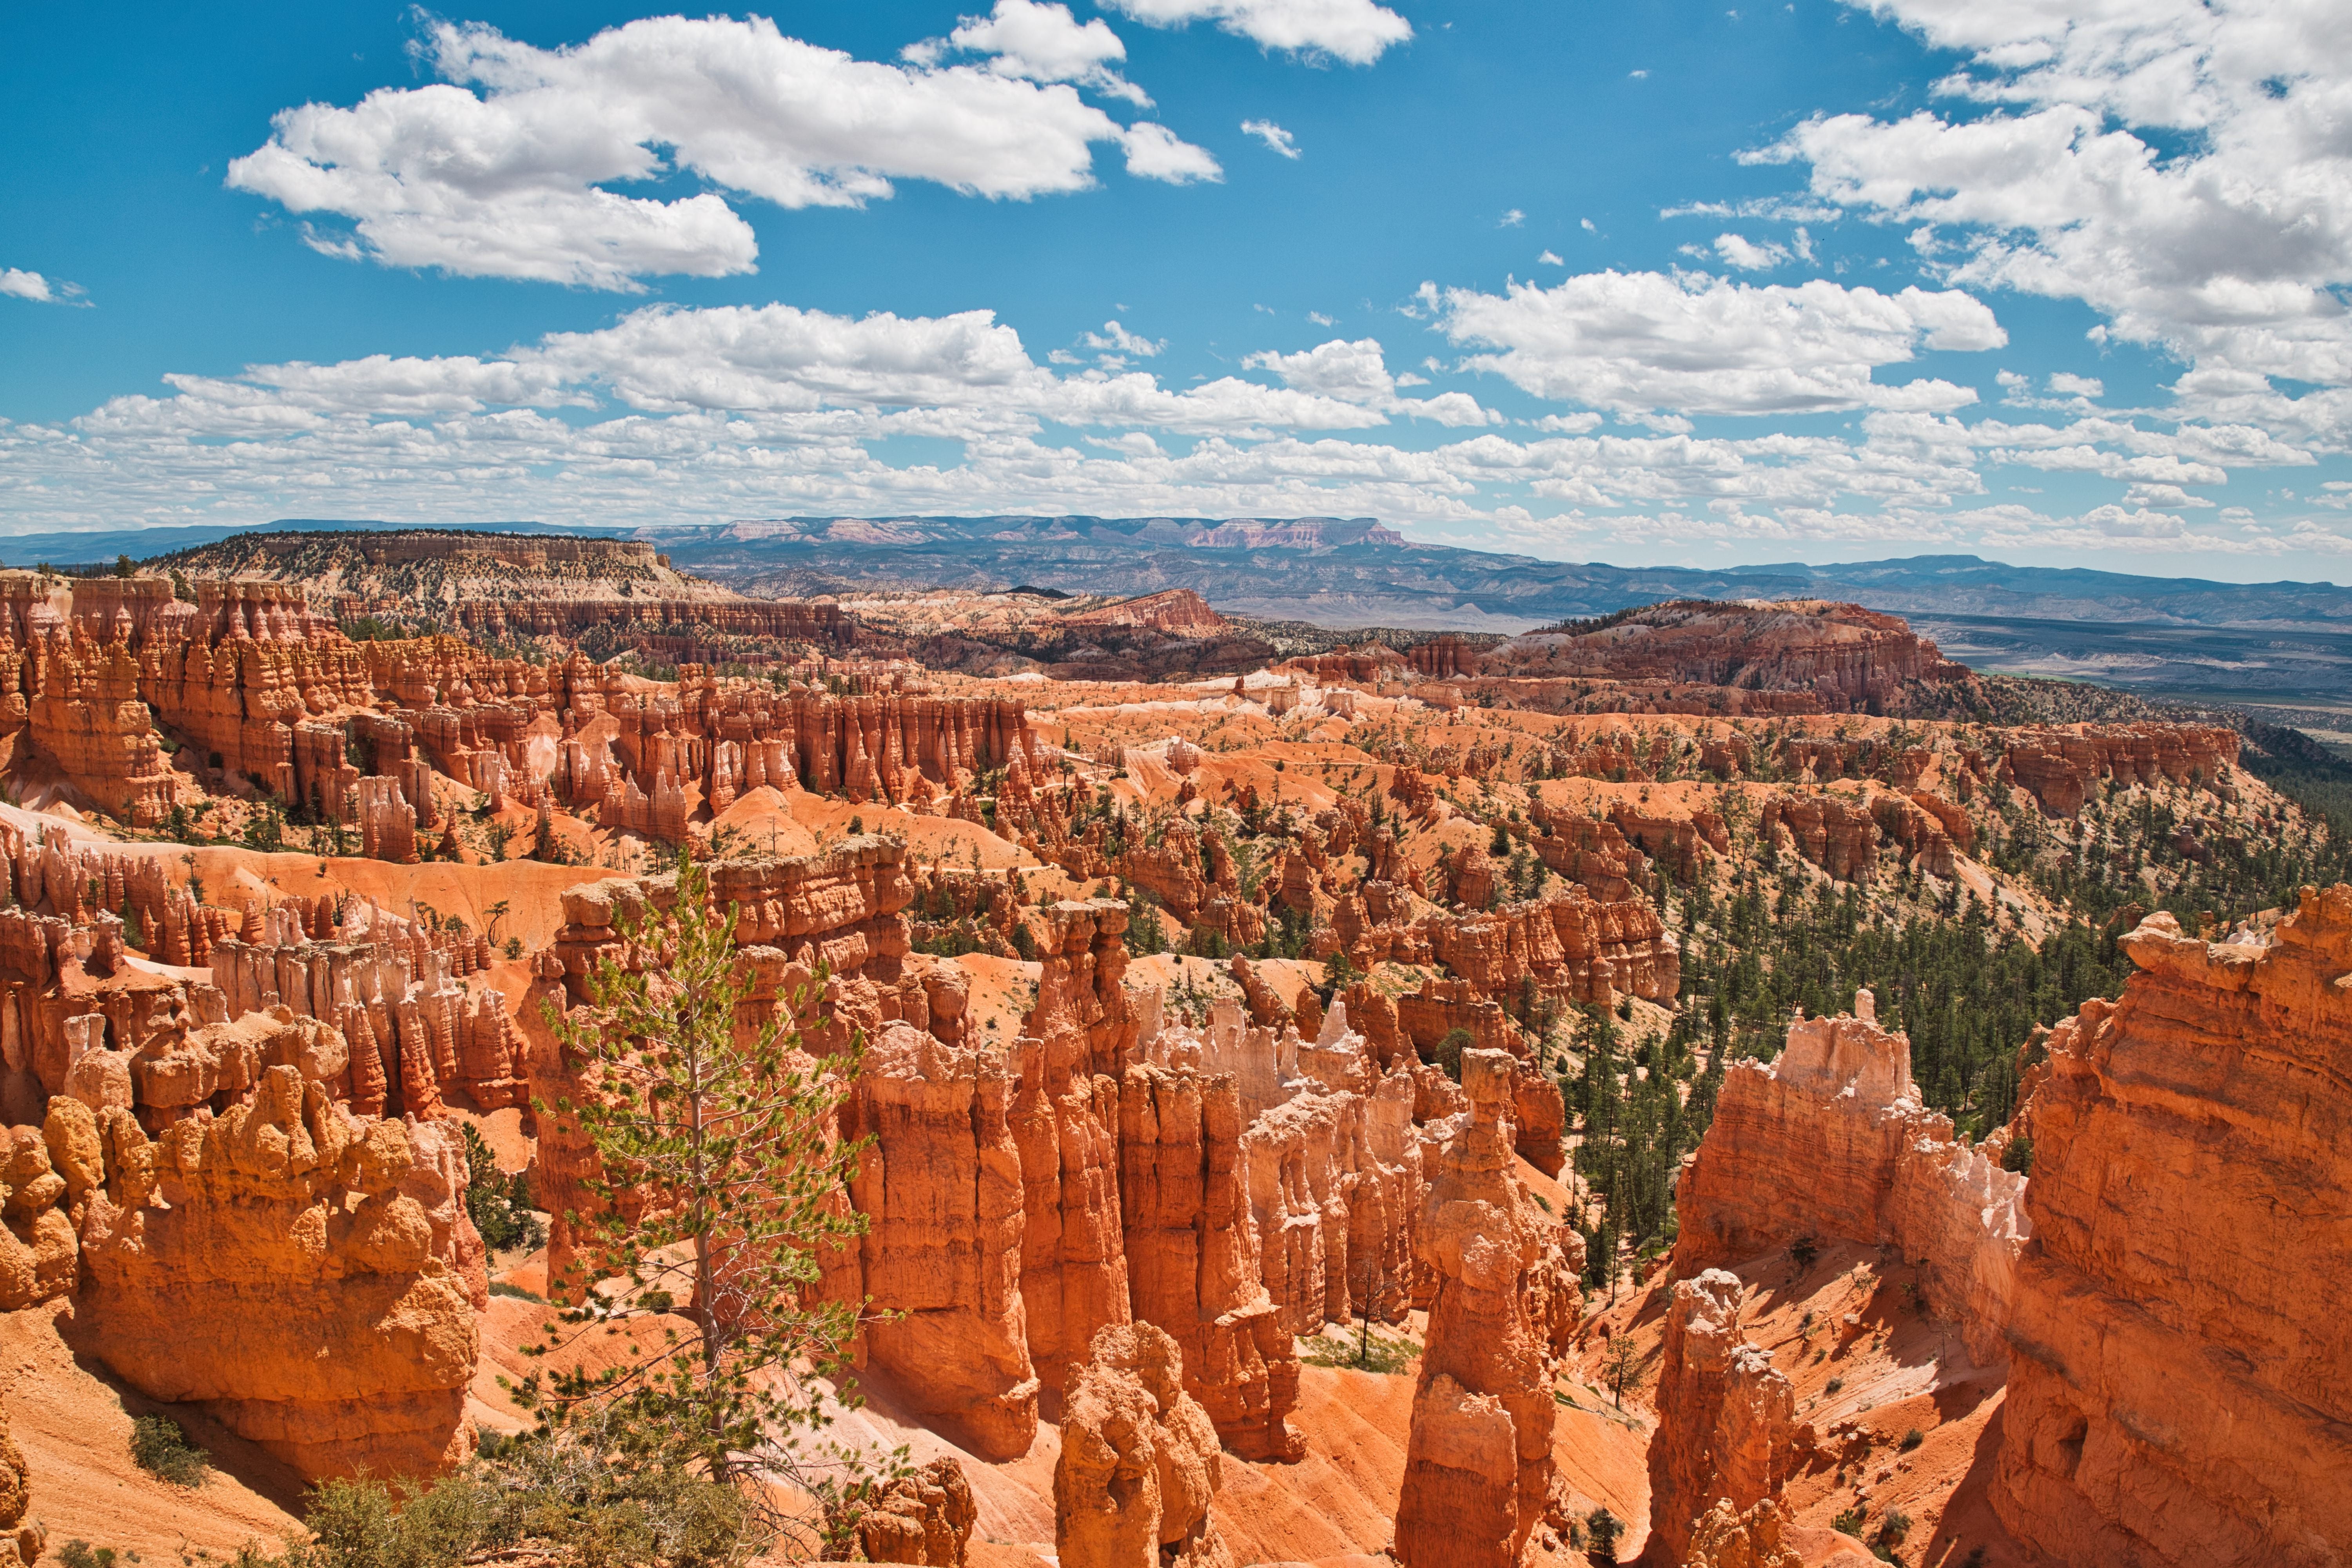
pixel 2177 1388
pixel 1830 1139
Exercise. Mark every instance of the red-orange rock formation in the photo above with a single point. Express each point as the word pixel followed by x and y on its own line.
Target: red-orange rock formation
pixel 1478 1468
pixel 1065 1118
pixel 1830 1140
pixel 1139 1462
pixel 1727 1419
pixel 1839 838
pixel 302 1277
pixel 1725 1537
pixel 2177 1389
pixel 2060 765
pixel 942 1190
pixel 20 1545
pixel 923 1518
pixel 1843 658
pixel 1193 1258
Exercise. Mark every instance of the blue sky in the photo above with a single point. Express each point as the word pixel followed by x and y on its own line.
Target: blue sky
pixel 1634 282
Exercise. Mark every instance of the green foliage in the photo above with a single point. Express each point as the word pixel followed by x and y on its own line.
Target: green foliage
pixel 556 1493
pixel 719 1178
pixel 1147 933
pixel 2018 1156
pixel 1603 1528
pixel 161 1449
pixel 1912 1440
pixel 1447 1056
pixel 501 1287
pixel 265 829
pixel 1804 1249
pixel 125 567
pixel 499 1204
pixel 80 1554
pixel 1390 1355
pixel 1850 1521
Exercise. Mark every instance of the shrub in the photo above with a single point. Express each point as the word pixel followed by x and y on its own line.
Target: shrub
pixel 80 1553
pixel 1835 1384
pixel 501 1287
pixel 1912 1440
pixel 1894 1527
pixel 1851 1521
pixel 161 1449
pixel 2018 1156
pixel 1804 1249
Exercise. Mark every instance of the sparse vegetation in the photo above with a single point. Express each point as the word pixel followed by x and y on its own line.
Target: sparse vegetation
pixel 161 1447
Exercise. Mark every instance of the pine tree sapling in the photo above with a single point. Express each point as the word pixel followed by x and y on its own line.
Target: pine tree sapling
pixel 720 1181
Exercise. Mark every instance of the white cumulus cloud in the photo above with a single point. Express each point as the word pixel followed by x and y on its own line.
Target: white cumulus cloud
pixel 1156 153
pixel 1275 138
pixel 2180 167
pixel 1658 347
pixel 1737 250
pixel 16 283
pixel 509 180
pixel 1357 372
pixel 1040 42
pixel 1356 31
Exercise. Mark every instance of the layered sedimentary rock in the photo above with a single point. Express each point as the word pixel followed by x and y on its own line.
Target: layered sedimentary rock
pixel 305 1277
pixel 1726 1422
pixel 1839 837
pixel 1140 1461
pixel 1478 1465
pixel 1193 1257
pixel 2060 765
pixel 1830 1140
pixel 1066 1118
pixel 942 1190
pixel 2177 1384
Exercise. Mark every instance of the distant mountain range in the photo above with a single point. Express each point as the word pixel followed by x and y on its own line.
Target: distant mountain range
pixel 2265 641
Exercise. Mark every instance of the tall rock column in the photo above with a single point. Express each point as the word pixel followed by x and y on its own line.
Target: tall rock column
pixel 1074 1276
pixel 1478 1467
pixel 2180 1361
pixel 1725 1417
pixel 943 1189
pixel 1193 1257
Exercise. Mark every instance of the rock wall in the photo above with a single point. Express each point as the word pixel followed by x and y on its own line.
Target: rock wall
pixel 1193 1259
pixel 942 1190
pixel 2060 765
pixel 1066 1119
pixel 2181 1370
